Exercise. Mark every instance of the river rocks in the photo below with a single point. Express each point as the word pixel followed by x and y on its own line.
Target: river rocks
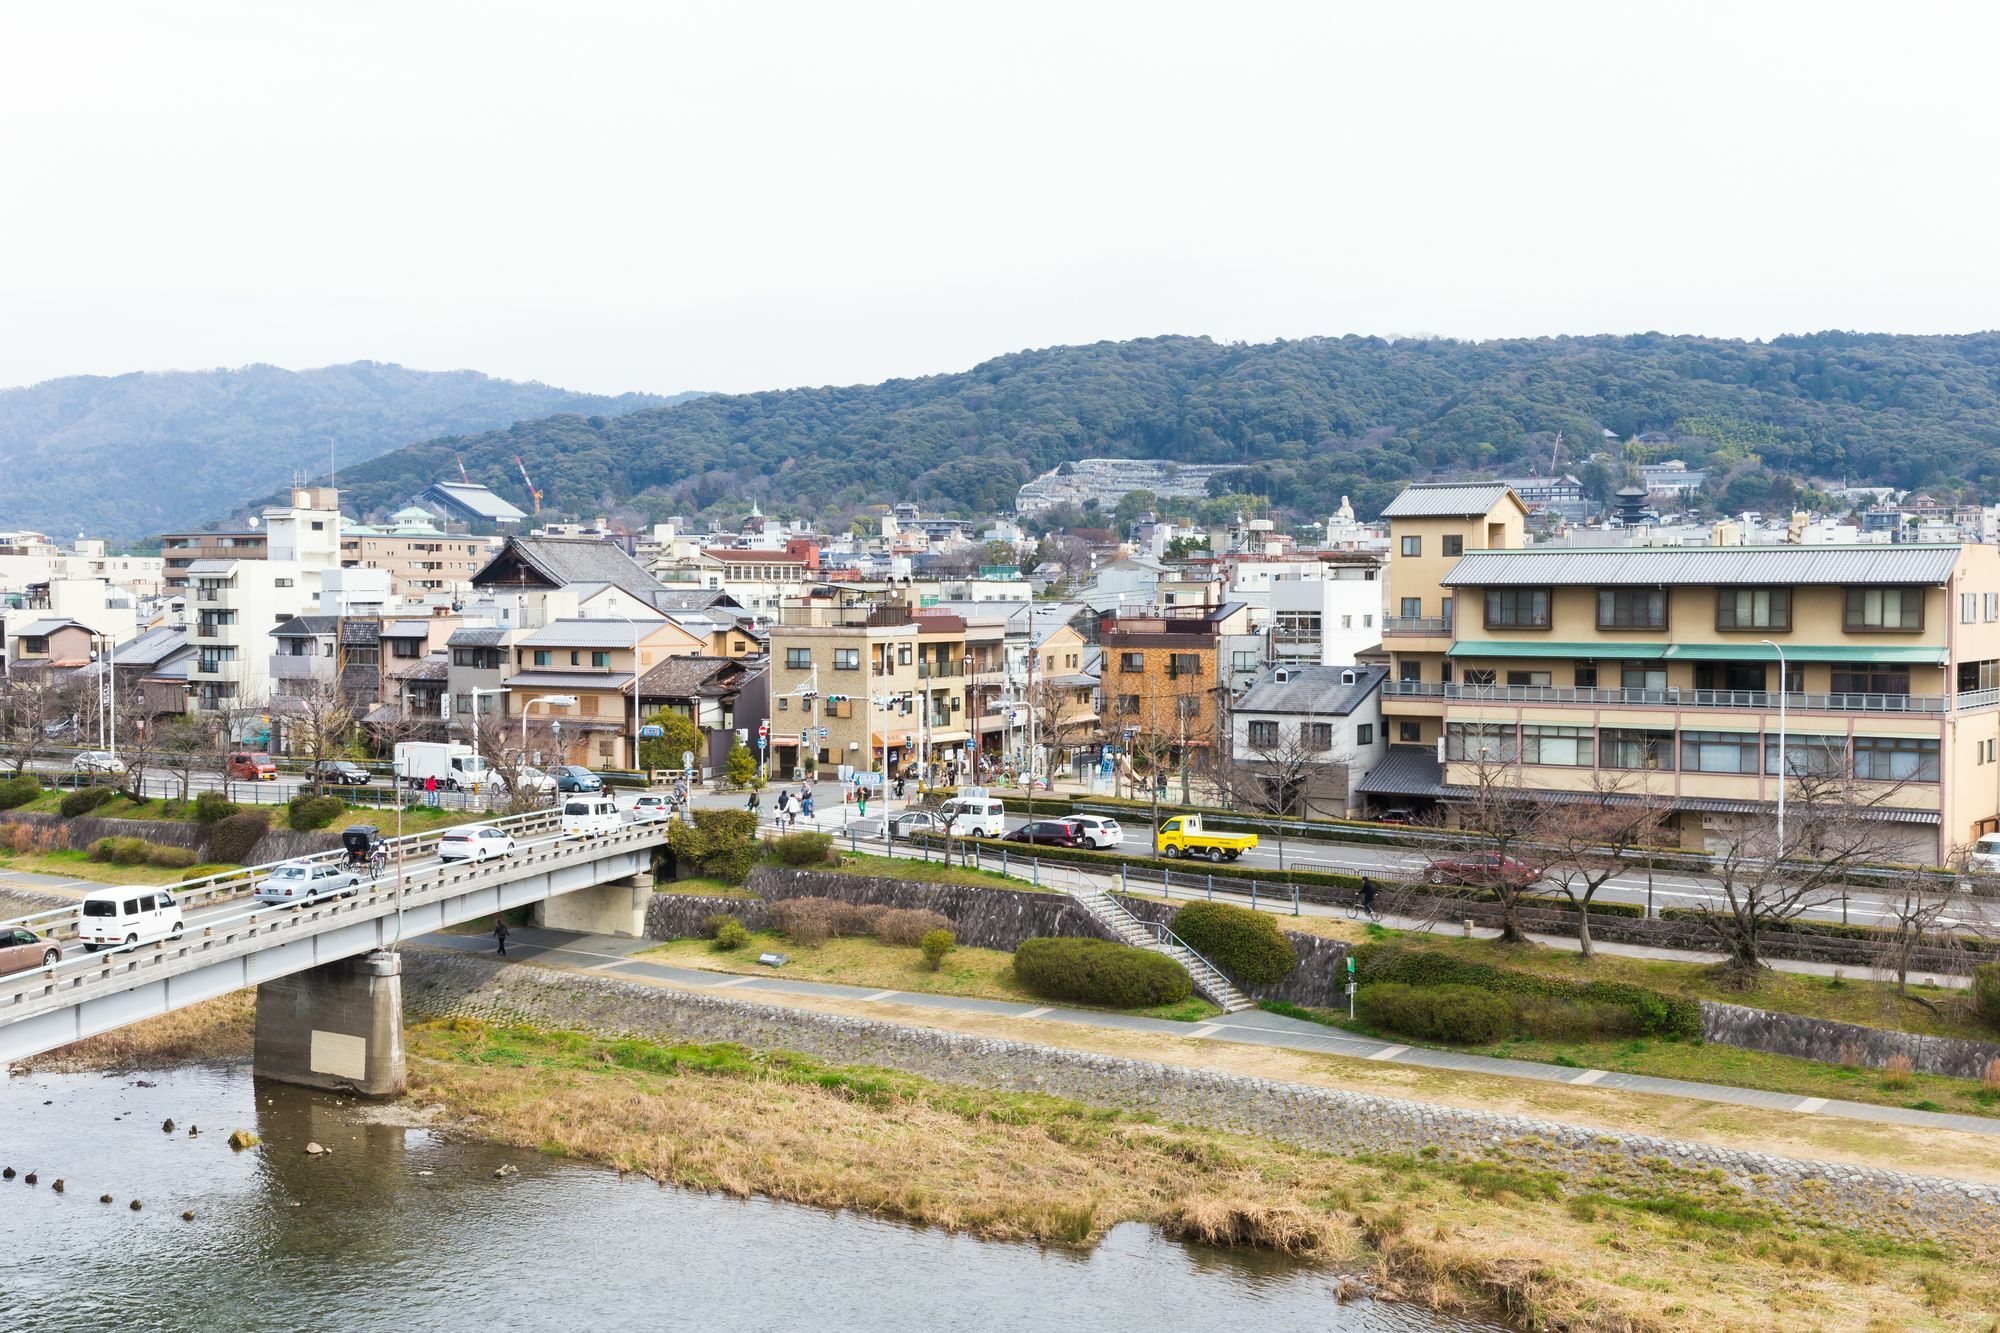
pixel 104 1198
pixel 58 1185
pixel 240 1139
pixel 136 1205
pixel 167 1126
pixel 502 1172
pixel 314 1150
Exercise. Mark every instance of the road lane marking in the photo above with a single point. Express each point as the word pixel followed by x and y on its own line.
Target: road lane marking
pixel 1587 1076
pixel 1206 1029
pixel 1810 1104
pixel 881 995
pixel 1037 1013
pixel 736 981
pixel 1386 1053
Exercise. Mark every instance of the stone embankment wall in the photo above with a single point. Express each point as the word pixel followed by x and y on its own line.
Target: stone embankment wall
pixel 277 844
pixel 1911 1207
pixel 1843 1043
pixel 1320 982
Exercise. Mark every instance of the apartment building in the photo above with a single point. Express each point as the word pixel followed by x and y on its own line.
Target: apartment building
pixel 1662 669
pixel 594 662
pixel 859 685
pixel 1165 674
pixel 179 551
pixel 423 566
pixel 1306 736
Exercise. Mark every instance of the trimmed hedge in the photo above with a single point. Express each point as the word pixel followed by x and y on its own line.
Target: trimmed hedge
pixel 233 838
pixel 1463 1014
pixel 1656 1012
pixel 802 848
pixel 306 813
pixel 212 807
pixel 83 800
pixel 1243 942
pixel 1832 930
pixel 18 790
pixel 1986 993
pixel 1117 976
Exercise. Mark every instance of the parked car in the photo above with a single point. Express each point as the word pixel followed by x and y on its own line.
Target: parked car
pixel 528 779
pixel 1400 814
pixel 23 949
pixel 910 823
pixel 341 772
pixel 575 777
pixel 97 761
pixel 653 805
pixel 300 882
pixel 246 766
pixel 477 842
pixel 975 816
pixel 1183 835
pixel 1983 857
pixel 124 914
pixel 1098 831
pixel 1482 870
pixel 1045 833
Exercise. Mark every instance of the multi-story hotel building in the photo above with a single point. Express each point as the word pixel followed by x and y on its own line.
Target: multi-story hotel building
pixel 1663 667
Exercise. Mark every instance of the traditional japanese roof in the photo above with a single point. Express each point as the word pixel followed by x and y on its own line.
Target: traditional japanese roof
pixel 1448 499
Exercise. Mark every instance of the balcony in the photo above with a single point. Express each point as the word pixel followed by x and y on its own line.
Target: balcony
pixel 1415 625
pixel 929 670
pixel 1763 701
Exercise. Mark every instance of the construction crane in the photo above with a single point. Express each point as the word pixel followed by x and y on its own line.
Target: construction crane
pixel 529 482
pixel 463 475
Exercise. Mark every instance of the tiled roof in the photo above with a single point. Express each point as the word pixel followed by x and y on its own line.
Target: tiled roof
pixel 1407 770
pixel 1323 691
pixel 299 627
pixel 562 561
pixel 685 677
pixel 1704 565
pixel 582 633
pixel 1446 500
pixel 477 636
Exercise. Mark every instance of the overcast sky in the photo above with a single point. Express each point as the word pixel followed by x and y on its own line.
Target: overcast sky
pixel 662 196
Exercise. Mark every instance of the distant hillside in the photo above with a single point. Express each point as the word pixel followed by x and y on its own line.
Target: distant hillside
pixel 130 455
pixel 1315 419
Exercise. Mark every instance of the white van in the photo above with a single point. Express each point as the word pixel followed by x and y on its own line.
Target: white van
pixel 585 816
pixel 974 816
pixel 128 915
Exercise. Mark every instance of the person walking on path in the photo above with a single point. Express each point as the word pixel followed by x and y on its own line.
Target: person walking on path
pixel 752 804
pixel 861 802
pixel 500 933
pixel 806 805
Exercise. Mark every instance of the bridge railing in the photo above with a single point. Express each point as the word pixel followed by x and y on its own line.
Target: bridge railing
pixel 230 883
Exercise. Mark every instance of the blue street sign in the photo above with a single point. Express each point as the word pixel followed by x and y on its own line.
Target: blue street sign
pixel 651 733
pixel 822 733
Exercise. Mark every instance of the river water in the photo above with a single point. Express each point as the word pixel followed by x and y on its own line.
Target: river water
pixel 408 1230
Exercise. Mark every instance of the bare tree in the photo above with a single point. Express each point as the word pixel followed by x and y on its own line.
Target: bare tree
pixel 1286 767
pixel 498 740
pixel 1922 909
pixel 1498 814
pixel 1589 842
pixel 319 723
pixel 186 745
pixel 139 735
pixel 39 700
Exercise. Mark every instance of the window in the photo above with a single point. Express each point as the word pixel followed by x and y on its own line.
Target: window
pixel 576 657
pixel 798 659
pixel 1895 759
pixel 1529 678
pixel 1128 703
pixel 1968 607
pixel 1322 735
pixel 600 659
pixel 1454 546
pixel 1412 608
pixel 1364 733
pixel 1183 664
pixel 1410 732
pixel 1631 608
pixel 847 659
pixel 1368 621
pixel 1885 610
pixel 35 643
pixel 1740 676
pixel 1517 608
pixel 1631 748
pixel 1244 661
pixel 1586 676
pixel 1187 707
pixel 1129 662
pixel 1347 622
pixel 587 704
pixel 1573 747
pixel 1263 734
pixel 1754 608
pixel 542 657
pixel 784 704
pixel 1991 603
pixel 1719 751
pixel 1808 756
pixel 902 654
pixel 1474 742
pixel 1642 676
pixel 1869 678
pixel 1413 546
pixel 1479 676
pixel 1444 611
pixel 1410 672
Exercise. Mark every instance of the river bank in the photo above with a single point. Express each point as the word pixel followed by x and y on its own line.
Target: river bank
pixel 1495 1237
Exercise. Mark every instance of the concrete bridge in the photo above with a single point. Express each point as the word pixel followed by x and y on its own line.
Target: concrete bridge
pixel 329 1000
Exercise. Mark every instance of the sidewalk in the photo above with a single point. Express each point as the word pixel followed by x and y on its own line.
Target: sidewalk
pixel 614 956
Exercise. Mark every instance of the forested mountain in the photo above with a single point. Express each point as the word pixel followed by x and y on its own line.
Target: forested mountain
pixel 1315 419
pixel 129 455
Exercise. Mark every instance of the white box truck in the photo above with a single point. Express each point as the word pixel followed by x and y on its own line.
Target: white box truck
pixel 456 767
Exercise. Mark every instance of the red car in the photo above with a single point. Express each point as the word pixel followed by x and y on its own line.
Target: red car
pixel 1046 833
pixel 1482 870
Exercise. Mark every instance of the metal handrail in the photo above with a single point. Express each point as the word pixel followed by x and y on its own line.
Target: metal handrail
pixel 1415 625
pixel 1676 696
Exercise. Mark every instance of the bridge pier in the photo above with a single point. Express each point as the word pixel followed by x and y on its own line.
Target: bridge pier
pixel 617 908
pixel 338 1026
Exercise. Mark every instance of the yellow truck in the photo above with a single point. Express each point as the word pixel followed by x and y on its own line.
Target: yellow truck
pixel 1183 836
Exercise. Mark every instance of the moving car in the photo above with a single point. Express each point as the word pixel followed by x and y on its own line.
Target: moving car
pixel 653 805
pixel 341 772
pixel 125 914
pixel 1183 835
pixel 300 882
pixel 1045 833
pixel 575 777
pixel 528 779
pixel 478 842
pixel 1097 831
pixel 587 816
pixel 23 949
pixel 248 766
pixel 1983 857
pixel 910 823
pixel 97 761
pixel 975 816
pixel 1481 870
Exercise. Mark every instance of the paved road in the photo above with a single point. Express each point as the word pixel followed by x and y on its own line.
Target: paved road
pixel 614 957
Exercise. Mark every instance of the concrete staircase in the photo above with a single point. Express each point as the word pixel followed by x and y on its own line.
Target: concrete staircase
pixel 1129 929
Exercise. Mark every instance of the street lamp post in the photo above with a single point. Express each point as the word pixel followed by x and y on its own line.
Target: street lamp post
pixel 1784 759
pixel 554 701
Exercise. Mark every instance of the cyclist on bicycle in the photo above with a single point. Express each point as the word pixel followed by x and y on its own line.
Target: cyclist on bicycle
pixel 377 859
pixel 1368 896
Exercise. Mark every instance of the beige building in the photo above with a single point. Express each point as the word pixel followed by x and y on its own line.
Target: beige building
pixel 1662 668
pixel 428 566
pixel 879 681
pixel 592 661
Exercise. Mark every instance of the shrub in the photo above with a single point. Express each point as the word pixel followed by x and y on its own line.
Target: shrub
pixel 719 844
pixel 232 839
pixel 909 925
pixel 803 849
pixel 1658 1013
pixel 170 858
pixel 936 944
pixel 212 807
pixel 804 921
pixel 856 920
pixel 1986 993
pixel 1100 972
pixel 306 813
pixel 1989 1080
pixel 18 790
pixel 1463 1014
pixel 1896 1072
pixel 731 935
pixel 84 799
pixel 1575 1020
pixel 712 925
pixel 1243 942
pixel 140 852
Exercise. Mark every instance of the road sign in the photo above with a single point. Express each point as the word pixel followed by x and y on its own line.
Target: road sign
pixel 822 733
pixel 763 731
pixel 687 758
pixel 649 732
pixel 867 779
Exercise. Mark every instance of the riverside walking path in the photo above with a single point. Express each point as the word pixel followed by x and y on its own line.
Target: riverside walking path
pixel 613 956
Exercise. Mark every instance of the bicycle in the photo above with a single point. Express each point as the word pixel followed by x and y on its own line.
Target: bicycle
pixel 1356 909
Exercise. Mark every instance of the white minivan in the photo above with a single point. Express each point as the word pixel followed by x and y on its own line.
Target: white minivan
pixel 974 816
pixel 585 816
pixel 128 915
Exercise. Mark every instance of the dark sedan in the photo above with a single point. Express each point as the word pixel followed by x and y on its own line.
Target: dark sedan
pixel 1046 833
pixel 340 772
